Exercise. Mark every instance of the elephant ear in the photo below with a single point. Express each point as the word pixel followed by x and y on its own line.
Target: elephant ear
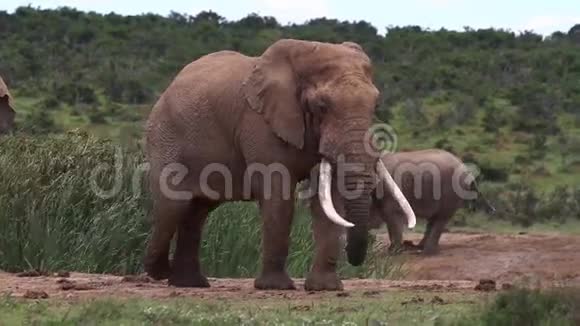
pixel 6 111
pixel 272 90
pixel 4 93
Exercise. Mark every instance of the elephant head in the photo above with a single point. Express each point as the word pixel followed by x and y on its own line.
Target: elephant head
pixel 320 97
pixel 6 109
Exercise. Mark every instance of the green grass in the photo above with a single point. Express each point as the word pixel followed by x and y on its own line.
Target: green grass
pixel 558 307
pixel 392 308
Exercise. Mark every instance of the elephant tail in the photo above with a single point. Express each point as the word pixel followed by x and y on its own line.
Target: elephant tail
pixel 489 209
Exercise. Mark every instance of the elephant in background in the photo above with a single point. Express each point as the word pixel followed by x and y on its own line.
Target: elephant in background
pixel 236 128
pixel 435 183
pixel 7 113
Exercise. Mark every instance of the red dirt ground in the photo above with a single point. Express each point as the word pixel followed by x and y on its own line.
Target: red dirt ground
pixel 549 259
pixel 465 259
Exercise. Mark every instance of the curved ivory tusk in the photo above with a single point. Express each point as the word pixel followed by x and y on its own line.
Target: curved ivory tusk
pixel 326 198
pixel 396 192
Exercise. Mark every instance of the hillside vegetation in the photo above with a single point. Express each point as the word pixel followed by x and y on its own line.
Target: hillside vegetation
pixel 509 102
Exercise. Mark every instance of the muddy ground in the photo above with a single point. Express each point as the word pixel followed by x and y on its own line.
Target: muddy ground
pixel 465 259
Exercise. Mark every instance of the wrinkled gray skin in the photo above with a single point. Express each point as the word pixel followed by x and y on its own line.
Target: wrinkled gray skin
pixel 297 103
pixel 416 170
pixel 436 183
pixel 7 113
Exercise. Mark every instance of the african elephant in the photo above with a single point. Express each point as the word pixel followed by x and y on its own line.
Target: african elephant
pixel 236 128
pixel 435 182
pixel 6 109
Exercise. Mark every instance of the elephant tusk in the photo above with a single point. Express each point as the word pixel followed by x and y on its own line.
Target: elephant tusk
pixel 396 192
pixel 325 196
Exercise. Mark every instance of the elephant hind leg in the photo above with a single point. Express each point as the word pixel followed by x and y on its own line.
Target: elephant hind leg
pixel 186 271
pixel 166 216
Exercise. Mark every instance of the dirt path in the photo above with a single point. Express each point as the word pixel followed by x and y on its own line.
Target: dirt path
pixel 544 258
pixel 79 286
pixel 463 261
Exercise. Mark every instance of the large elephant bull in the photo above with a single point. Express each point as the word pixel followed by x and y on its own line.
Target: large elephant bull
pixel 232 127
pixel 7 113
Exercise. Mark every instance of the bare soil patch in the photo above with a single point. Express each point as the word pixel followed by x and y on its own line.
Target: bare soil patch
pixel 465 261
pixel 543 259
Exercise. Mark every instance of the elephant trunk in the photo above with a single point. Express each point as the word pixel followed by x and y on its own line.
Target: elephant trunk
pixel 359 183
pixel 358 212
pixel 356 179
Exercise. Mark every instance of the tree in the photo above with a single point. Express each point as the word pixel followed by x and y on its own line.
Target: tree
pixel 574 33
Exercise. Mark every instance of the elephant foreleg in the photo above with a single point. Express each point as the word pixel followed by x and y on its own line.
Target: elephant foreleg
pixel 277 217
pixel 186 270
pixel 395 228
pixel 322 276
pixel 431 243
pixel 395 221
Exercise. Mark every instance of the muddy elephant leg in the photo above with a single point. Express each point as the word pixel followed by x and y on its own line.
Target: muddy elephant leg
pixel 322 276
pixel 186 271
pixel 431 245
pixel 395 227
pixel 166 216
pixel 277 217
pixel 428 231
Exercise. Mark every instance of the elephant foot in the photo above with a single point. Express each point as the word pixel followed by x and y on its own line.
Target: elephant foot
pixel 187 275
pixel 274 281
pixel 195 280
pixel 430 251
pixel 323 282
pixel 159 269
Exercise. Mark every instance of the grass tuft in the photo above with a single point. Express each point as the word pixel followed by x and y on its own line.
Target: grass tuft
pixel 531 307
